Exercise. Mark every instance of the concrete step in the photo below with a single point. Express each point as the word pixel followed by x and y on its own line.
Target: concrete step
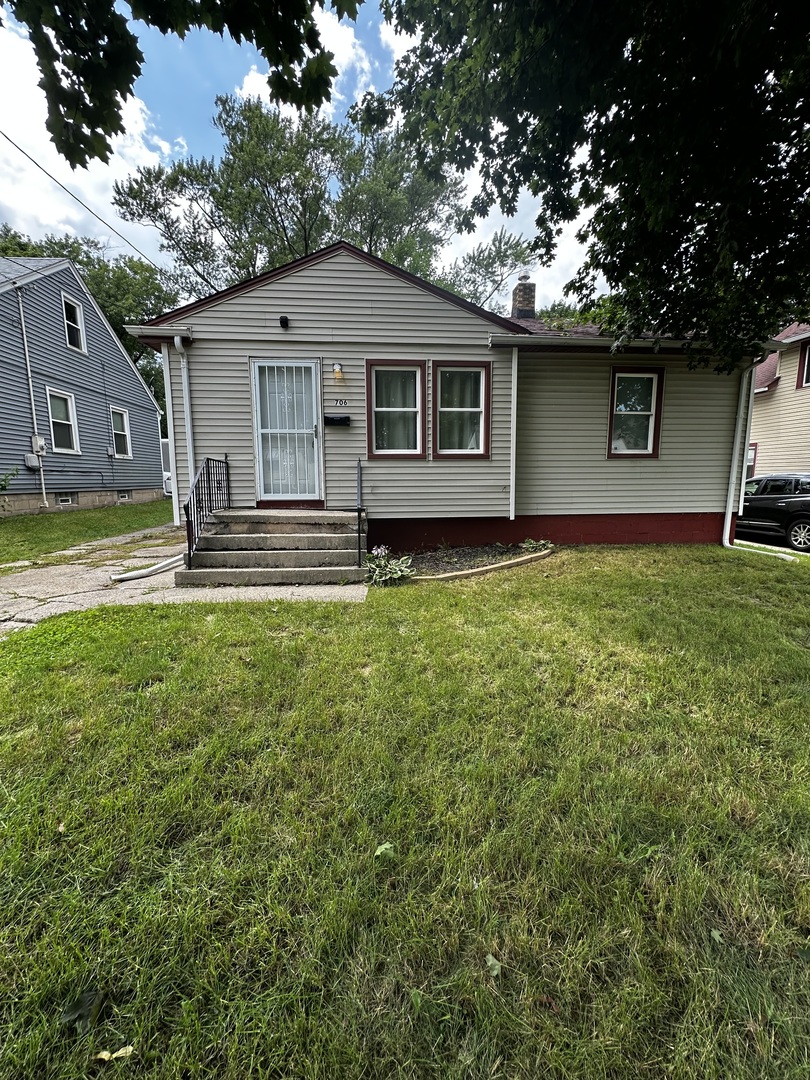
pixel 227 560
pixel 283 521
pixel 239 541
pixel 312 575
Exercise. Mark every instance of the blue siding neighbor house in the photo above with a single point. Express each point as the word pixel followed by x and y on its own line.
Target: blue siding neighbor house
pixel 78 424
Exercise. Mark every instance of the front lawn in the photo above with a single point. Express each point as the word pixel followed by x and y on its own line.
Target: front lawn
pixel 26 536
pixel 550 823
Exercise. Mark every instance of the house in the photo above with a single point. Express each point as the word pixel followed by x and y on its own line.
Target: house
pixel 780 428
pixel 78 425
pixel 339 379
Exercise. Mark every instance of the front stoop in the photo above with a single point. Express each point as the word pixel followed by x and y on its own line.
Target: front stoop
pixel 277 547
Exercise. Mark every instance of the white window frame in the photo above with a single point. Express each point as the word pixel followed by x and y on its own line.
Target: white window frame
pixel 125 414
pixel 66 299
pixel 376 366
pixel 440 369
pixel 628 373
pixel 74 423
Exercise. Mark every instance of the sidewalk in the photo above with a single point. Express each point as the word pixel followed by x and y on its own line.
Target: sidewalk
pixel 30 594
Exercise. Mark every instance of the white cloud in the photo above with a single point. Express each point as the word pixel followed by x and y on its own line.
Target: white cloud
pixel 29 200
pixel 397 42
pixel 351 60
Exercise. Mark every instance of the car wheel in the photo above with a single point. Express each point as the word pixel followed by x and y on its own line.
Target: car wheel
pixel 798 534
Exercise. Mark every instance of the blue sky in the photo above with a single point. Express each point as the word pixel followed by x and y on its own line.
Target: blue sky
pixel 170 116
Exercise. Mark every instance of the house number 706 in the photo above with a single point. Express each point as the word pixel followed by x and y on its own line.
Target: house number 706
pixel 341 401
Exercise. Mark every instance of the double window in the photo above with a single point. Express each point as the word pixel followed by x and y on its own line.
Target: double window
pixel 397 396
pixel 64 429
pixel 74 323
pixel 120 432
pixel 635 412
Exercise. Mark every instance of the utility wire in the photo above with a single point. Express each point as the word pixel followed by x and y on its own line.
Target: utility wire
pixel 106 224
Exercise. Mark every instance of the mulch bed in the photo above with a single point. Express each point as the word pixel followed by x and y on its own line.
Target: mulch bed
pixel 445 560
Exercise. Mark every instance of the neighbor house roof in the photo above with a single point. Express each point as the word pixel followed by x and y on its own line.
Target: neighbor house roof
pixel 19 270
pixel 768 370
pixel 184 312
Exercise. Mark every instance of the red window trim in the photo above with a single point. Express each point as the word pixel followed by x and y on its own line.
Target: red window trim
pixel 633 369
pixel 803 375
pixel 399 454
pixel 470 365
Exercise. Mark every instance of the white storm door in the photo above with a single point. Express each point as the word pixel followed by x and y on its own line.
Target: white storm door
pixel 286 430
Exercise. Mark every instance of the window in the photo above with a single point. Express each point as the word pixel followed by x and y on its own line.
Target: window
pixel 67 498
pixel 120 429
pixel 635 412
pixel 461 410
pixel 64 429
pixel 125 496
pixel 803 377
pixel 779 486
pixel 396 395
pixel 751 460
pixel 74 323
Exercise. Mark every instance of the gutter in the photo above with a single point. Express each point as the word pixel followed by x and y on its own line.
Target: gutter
pixel 184 380
pixel 605 342
pixel 747 381
pixel 167 385
pixel 36 440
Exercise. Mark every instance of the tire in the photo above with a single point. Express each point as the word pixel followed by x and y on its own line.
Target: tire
pixel 798 534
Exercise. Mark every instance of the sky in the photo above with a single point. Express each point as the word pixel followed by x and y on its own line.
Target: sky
pixel 169 116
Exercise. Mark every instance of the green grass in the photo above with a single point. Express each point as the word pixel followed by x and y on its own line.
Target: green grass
pixel 595 770
pixel 27 536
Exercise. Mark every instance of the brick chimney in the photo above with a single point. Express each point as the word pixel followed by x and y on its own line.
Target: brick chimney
pixel 523 305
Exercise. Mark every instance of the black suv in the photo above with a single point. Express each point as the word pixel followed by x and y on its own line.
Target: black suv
pixel 779 505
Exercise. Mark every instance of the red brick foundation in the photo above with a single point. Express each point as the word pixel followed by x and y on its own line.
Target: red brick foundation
pixel 416 534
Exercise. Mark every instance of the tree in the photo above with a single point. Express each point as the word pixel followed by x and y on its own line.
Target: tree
pixel 682 131
pixel 482 273
pixel 284 187
pixel 128 290
pixel 89 56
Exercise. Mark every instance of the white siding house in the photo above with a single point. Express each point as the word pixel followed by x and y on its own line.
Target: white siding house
pixel 780 431
pixel 466 426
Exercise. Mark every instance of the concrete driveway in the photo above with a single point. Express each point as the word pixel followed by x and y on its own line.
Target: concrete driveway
pixel 79 579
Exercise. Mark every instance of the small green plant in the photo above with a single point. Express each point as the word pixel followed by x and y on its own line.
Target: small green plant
pixel 5 484
pixel 384 569
pixel 531 546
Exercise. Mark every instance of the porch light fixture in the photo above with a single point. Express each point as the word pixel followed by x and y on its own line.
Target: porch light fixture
pixel 337 370
pixel 283 322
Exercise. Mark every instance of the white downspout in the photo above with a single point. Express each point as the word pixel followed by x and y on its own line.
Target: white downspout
pixel 44 503
pixel 513 436
pixel 181 349
pixel 732 495
pixel 167 383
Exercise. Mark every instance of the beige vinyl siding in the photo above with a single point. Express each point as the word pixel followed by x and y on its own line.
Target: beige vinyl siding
pixel 781 423
pixel 563 422
pixel 342 311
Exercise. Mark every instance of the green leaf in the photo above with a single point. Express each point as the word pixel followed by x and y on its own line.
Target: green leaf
pixel 718 937
pixel 493 966
pixel 384 850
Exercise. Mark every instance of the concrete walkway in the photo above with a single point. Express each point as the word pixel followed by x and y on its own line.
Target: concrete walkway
pixel 81 580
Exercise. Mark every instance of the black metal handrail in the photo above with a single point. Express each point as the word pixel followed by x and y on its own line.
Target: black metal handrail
pixel 210 491
pixel 359 512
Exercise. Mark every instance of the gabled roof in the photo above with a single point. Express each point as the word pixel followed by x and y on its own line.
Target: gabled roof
pixel 184 312
pixel 20 270
pixel 768 370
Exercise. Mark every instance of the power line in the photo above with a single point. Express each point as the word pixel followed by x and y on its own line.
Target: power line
pixel 106 224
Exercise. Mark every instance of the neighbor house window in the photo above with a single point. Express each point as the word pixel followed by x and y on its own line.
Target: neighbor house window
pixel 635 412
pixel 74 323
pixel 120 429
pixel 461 409
pixel 64 429
pixel 396 396
pixel 751 460
pixel 803 378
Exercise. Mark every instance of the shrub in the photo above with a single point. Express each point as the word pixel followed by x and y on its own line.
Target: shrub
pixel 384 569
